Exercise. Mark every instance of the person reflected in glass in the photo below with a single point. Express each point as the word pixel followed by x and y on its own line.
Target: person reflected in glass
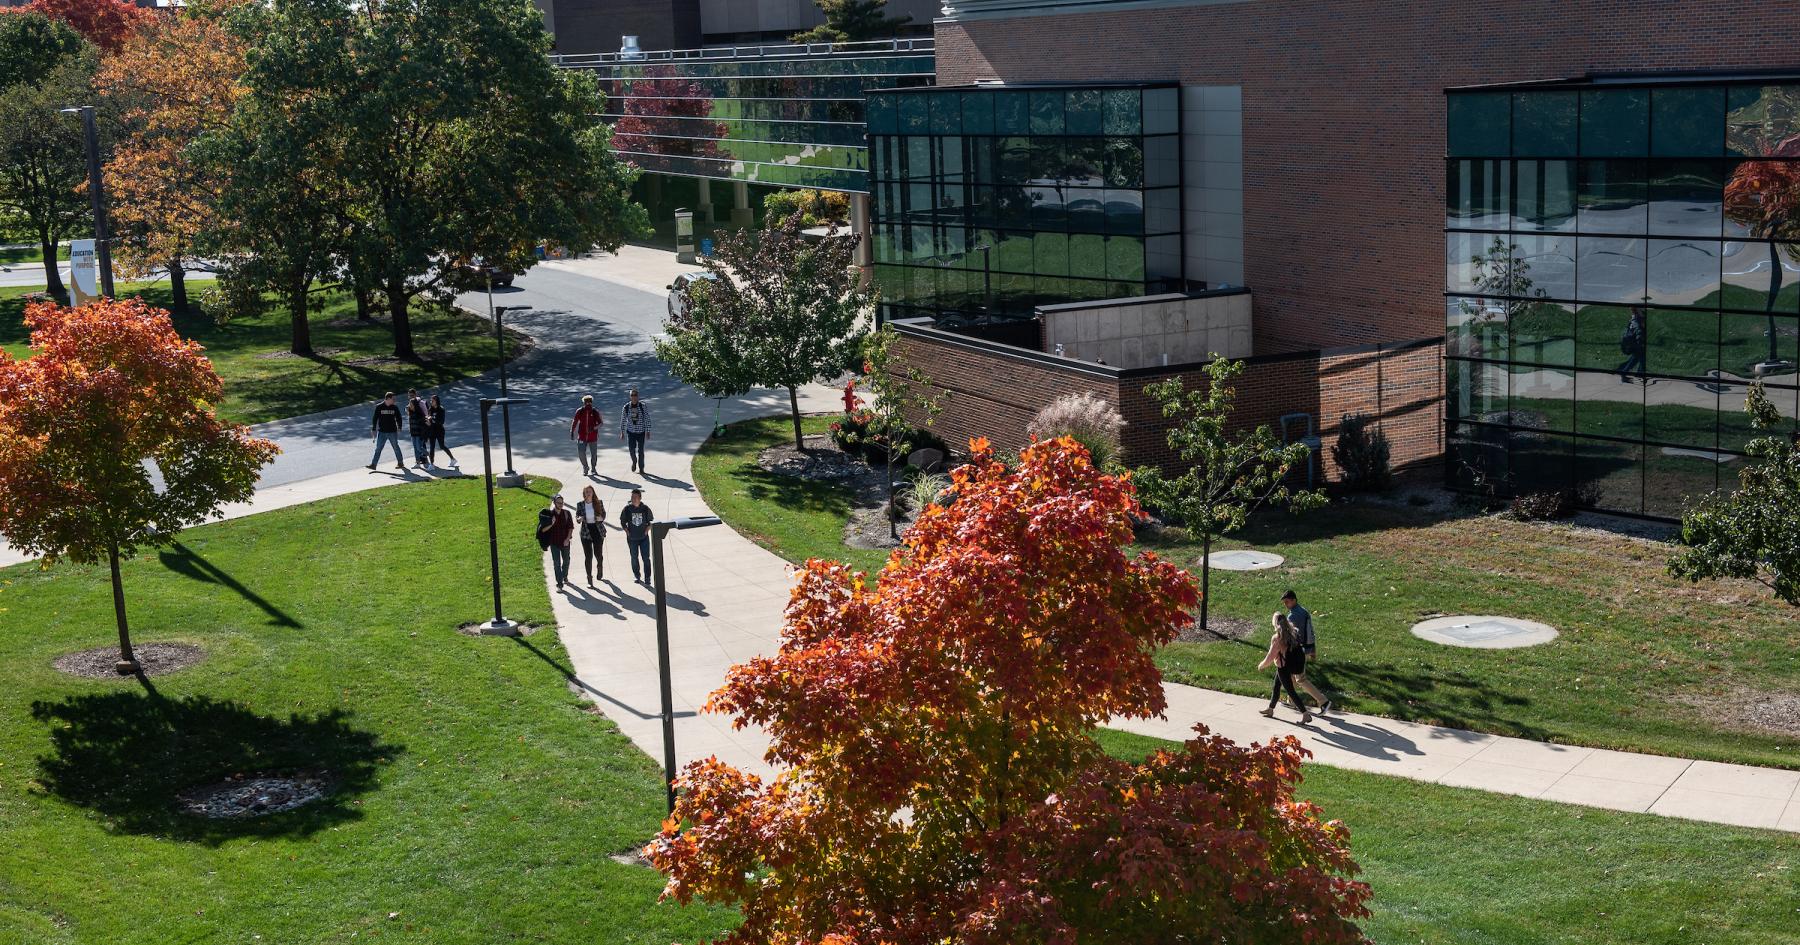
pixel 1633 343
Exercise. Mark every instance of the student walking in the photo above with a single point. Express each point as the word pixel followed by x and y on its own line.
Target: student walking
pixel 1284 654
pixel 635 519
pixel 590 520
pixel 1632 343
pixel 634 429
pixel 555 532
pixel 1306 646
pixel 385 427
pixel 437 433
pixel 418 423
pixel 585 431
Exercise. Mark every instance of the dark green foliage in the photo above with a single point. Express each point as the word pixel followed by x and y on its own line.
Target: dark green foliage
pixel 1361 452
pixel 32 44
pixel 850 21
pixel 1753 532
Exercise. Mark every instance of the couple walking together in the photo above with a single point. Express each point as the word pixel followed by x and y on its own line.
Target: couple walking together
pixel 424 421
pixel 559 525
pixel 1290 646
pixel 634 429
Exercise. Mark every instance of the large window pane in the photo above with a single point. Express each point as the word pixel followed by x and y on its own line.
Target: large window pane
pixel 1735 430
pixel 1083 112
pixel 1753 346
pixel 1681 414
pixel 1047 113
pixel 1760 199
pixel 1608 405
pixel 1014 253
pixel 1546 196
pixel 1611 269
pixel 1609 476
pixel 879 115
pixel 1676 477
pixel 1544 333
pixel 1125 211
pixel 1477 391
pixel 1683 343
pixel 1012 113
pixel 1543 399
pixel 1125 162
pixel 1544 124
pixel 1125 258
pixel 977 113
pixel 1087 256
pixel 1479 194
pixel 1687 122
pixel 1754 271
pixel 1162 211
pixel 1162 111
pixel 1087 210
pixel 1479 124
pixel 1613 197
pixel 1600 337
pixel 1162 161
pixel 1615 122
pixel 915 114
pixel 1475 327
pixel 946 113
pixel 1686 197
pixel 1541 462
pixel 1050 254
pixel 1477 454
pixel 1683 272
pixel 1759 118
pixel 1544 267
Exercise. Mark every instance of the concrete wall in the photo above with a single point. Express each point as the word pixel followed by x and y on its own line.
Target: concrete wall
pixel 1212 184
pixel 1151 331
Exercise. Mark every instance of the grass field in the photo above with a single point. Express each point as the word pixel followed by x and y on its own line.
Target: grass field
pixel 1450 866
pixel 1645 662
pixel 477 799
pixel 352 363
pixel 10 255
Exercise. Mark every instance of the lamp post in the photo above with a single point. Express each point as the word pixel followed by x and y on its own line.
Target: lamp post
pixel 657 531
pixel 96 196
pixel 499 626
pixel 510 478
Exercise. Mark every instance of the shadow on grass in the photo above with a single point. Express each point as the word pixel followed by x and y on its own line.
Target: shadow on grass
pixel 1343 519
pixel 1449 699
pixel 127 755
pixel 792 493
pixel 183 561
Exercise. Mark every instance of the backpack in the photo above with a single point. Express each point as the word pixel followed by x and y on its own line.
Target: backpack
pixel 546 518
pixel 1633 338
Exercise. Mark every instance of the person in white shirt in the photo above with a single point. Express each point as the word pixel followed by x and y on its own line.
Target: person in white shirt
pixel 590 522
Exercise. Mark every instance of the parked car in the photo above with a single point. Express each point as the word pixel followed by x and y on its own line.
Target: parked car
pixel 678 291
pixel 471 274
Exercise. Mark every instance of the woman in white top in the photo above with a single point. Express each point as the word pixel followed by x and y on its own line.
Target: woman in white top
pixel 590 523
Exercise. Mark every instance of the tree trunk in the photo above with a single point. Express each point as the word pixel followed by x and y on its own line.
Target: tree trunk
pixel 794 408
pixel 361 288
pixel 178 285
pixel 893 526
pixel 1205 578
pixel 396 298
pixel 1774 290
pixel 53 284
pixel 302 331
pixel 127 659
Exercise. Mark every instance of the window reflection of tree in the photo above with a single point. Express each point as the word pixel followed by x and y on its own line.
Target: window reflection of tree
pixel 665 119
pixel 1763 196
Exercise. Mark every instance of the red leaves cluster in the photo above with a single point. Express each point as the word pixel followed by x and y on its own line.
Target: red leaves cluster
pixel 941 783
pixel 110 385
pixel 105 23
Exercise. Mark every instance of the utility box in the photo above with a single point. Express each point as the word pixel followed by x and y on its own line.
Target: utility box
pixel 684 236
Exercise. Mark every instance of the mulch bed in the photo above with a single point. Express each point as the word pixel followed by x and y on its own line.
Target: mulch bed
pixel 155 659
pixel 822 461
pixel 474 629
pixel 1771 712
pixel 1221 630
pixel 289 355
pixel 254 795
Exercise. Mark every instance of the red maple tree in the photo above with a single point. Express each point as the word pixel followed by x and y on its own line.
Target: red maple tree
pixel 941 783
pixel 665 117
pixel 110 386
pixel 105 23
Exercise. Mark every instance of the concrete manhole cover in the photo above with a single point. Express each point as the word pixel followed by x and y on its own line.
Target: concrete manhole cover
pixel 1484 633
pixel 1244 560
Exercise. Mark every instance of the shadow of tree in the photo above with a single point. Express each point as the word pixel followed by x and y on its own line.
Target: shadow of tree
pixel 1447 698
pixel 126 755
pixel 793 493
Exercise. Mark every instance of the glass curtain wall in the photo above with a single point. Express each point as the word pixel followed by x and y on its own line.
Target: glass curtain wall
pixel 988 202
pixel 782 115
pixel 1622 261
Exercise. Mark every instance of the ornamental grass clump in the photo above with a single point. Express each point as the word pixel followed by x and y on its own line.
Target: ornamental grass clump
pixel 1085 418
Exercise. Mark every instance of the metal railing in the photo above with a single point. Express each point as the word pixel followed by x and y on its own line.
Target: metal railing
pixel 793 51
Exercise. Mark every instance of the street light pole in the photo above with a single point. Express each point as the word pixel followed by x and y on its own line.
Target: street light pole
pixel 96 197
pixel 510 478
pixel 499 626
pixel 657 531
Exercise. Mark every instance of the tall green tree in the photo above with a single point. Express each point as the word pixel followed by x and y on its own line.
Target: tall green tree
pixel 784 309
pixel 1754 532
pixel 43 160
pixel 31 44
pixel 850 21
pixel 1228 474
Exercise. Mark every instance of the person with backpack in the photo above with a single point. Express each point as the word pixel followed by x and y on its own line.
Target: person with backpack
pixel 1633 343
pixel 555 532
pixel 437 433
pixel 418 423
pixel 635 519
pixel 634 429
pixel 1283 642
pixel 385 428
pixel 585 431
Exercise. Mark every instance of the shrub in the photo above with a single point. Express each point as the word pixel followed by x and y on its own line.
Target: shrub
pixel 814 207
pixel 1089 420
pixel 1362 453
pixel 859 435
pixel 1553 504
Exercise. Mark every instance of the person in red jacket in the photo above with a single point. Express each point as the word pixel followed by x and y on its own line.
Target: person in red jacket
pixel 585 431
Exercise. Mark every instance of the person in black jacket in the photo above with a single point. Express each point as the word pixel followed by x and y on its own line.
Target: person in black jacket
pixel 385 427
pixel 418 423
pixel 635 519
pixel 555 532
pixel 437 433
pixel 590 523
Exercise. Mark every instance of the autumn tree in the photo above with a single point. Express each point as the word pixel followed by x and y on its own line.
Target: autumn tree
pixel 1225 474
pixel 1763 196
pixel 788 309
pixel 42 157
pixel 107 24
pixel 1753 532
pixel 170 83
pixel 110 386
pixel 850 21
pixel 666 115
pixel 939 779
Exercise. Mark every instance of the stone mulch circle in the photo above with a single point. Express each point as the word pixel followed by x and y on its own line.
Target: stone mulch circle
pixel 474 629
pixel 1484 632
pixel 154 659
pixel 1221 629
pixel 1244 559
pixel 254 795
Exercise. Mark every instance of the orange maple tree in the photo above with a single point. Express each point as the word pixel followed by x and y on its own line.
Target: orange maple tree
pixel 940 783
pixel 171 82
pixel 110 386
pixel 105 23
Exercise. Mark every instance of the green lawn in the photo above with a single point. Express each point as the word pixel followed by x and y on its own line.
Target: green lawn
pixel 1450 865
pixel 10 255
pixel 352 363
pixel 477 802
pixel 1645 663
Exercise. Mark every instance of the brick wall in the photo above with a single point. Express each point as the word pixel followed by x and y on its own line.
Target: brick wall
pixel 1343 117
pixel 994 391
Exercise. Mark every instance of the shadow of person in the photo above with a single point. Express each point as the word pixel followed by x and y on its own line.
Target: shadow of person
pixel 1426 694
pixel 1366 740
pixel 128 756
pixel 669 483
pixel 182 560
pixel 586 600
